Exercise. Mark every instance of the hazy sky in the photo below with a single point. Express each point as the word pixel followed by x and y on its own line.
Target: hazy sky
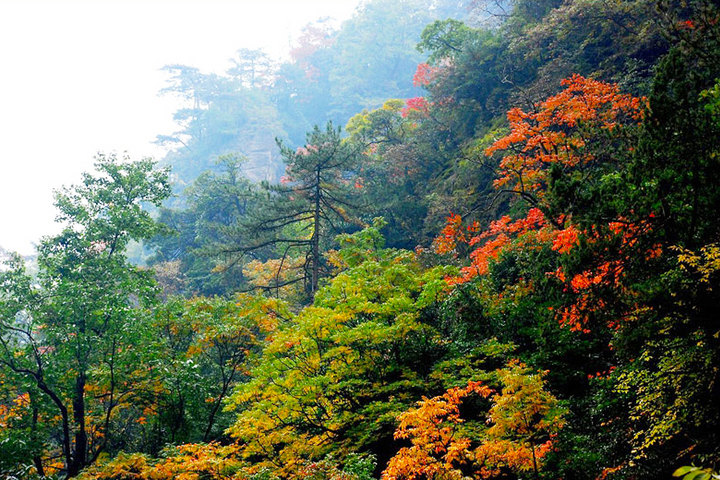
pixel 78 77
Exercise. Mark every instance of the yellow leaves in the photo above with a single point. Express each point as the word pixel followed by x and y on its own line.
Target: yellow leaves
pixel 358 123
pixel 14 411
pixel 664 388
pixel 328 378
pixel 393 105
pixel 522 399
pixel 124 466
pixel 276 271
pixel 22 401
pixel 194 350
pixel 705 262
pixel 185 462
pixel 196 461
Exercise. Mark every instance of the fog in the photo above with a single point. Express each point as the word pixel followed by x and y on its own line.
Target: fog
pixel 82 77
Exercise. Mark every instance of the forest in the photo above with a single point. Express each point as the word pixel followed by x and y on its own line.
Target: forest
pixel 446 240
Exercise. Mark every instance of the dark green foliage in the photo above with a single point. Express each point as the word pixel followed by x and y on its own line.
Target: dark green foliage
pixel 314 202
pixel 677 168
pixel 197 256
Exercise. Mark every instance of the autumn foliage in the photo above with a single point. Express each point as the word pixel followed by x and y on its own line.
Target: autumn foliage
pixel 424 74
pixel 522 419
pixel 185 462
pixel 562 326
pixel 557 135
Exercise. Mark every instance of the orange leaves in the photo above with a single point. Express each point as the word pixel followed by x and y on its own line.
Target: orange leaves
pixel 553 134
pixel 535 232
pixel 493 456
pixel 195 461
pixel 492 242
pixel 438 445
pixel 532 221
pixel 416 104
pixel 482 256
pixel 589 99
pixel 421 424
pixel 276 271
pixel 185 462
pixel 687 25
pixel 591 285
pixel 450 235
pixel 523 420
pixel 565 240
pixel 568 134
pixel 14 411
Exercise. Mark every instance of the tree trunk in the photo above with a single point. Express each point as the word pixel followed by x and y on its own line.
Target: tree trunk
pixel 216 408
pixel 535 465
pixel 79 460
pixel 316 239
pixel 67 453
pixel 37 460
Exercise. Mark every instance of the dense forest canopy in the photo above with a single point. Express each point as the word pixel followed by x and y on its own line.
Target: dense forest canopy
pixel 446 240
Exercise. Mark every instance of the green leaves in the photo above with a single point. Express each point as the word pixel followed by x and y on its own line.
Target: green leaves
pixel 301 216
pixel 108 205
pixel 334 377
pixel 200 256
pixel 695 473
pixel 446 39
pixel 69 336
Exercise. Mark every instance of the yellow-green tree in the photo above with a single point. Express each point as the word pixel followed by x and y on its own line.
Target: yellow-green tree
pixel 334 377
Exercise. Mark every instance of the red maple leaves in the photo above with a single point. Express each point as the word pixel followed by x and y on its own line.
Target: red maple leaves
pixel 556 133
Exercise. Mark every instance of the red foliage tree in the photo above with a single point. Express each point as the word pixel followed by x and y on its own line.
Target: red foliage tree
pixel 557 135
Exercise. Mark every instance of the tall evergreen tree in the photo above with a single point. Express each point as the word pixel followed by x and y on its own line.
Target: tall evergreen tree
pixel 312 204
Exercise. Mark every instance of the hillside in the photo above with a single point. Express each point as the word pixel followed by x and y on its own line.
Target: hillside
pixel 425 248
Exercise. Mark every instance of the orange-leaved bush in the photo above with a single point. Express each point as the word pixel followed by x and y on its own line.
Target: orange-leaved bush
pixel 523 420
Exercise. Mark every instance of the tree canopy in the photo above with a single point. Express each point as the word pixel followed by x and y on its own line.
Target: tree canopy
pixel 505 266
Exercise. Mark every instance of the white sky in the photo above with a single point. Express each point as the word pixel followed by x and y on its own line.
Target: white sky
pixel 78 77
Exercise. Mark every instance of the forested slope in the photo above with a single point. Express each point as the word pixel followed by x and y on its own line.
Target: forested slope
pixel 511 271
